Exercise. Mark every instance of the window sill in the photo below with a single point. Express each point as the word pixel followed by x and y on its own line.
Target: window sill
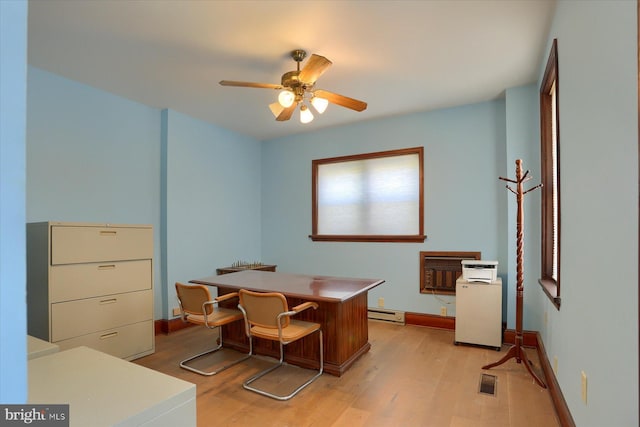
pixel 550 288
pixel 365 238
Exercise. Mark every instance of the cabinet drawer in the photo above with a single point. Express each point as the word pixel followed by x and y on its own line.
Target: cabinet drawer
pixel 78 281
pixel 77 244
pixel 123 342
pixel 74 318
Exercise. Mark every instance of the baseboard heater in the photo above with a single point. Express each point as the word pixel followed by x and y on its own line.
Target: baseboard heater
pixel 386 315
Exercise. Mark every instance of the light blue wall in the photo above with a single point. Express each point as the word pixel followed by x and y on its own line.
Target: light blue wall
pixel 596 329
pixel 213 199
pixel 462 198
pixel 91 157
pixel 215 196
pixel 13 112
pixel 96 157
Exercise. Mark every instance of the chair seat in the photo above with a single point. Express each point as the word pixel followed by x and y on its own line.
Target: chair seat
pixel 266 316
pixel 296 330
pixel 220 316
pixel 197 307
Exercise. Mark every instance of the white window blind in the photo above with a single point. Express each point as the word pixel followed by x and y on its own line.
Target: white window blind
pixel 554 190
pixel 372 196
pixel 550 266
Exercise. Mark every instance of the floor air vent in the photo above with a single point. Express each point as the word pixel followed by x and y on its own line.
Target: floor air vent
pixel 386 315
pixel 488 384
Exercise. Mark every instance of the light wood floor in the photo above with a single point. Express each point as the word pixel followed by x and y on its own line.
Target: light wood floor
pixel 412 376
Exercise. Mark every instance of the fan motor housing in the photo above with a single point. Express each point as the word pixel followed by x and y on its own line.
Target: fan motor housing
pixel 291 79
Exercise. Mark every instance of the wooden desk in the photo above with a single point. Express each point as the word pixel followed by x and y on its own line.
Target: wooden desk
pixel 342 312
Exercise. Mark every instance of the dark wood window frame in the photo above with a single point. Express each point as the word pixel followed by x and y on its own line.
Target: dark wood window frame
pixel 418 238
pixel 549 256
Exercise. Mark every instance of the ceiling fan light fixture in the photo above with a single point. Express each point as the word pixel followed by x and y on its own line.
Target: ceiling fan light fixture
pixel 286 98
pixel 306 116
pixel 296 88
pixel 320 104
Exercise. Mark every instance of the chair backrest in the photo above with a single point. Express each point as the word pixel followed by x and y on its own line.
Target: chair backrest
pixel 192 297
pixel 262 308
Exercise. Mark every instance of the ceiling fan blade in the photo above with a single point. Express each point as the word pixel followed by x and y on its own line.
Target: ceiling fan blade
pixel 286 113
pixel 341 100
pixel 250 84
pixel 313 68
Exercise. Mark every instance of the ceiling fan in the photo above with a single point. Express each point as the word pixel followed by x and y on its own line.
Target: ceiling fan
pixel 298 86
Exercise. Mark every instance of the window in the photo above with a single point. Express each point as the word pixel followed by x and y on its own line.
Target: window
pixel 374 197
pixel 550 159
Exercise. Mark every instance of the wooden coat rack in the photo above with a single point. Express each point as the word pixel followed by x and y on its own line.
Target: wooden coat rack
pixel 516 350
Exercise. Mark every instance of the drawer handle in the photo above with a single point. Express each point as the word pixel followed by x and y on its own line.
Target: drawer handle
pixel 108 233
pixel 110 335
pixel 109 301
pixel 107 267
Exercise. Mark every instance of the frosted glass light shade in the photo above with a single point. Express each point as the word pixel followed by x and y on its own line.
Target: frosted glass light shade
pixel 306 115
pixel 320 104
pixel 286 98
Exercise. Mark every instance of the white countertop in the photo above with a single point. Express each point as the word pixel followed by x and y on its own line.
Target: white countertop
pixel 103 390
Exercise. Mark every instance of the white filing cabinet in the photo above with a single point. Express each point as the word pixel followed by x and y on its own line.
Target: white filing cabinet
pixel 479 313
pixel 91 285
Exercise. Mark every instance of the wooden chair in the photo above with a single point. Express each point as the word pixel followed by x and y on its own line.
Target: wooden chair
pixel 267 316
pixel 197 307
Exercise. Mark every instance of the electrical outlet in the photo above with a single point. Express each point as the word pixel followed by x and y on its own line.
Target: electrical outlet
pixel 583 377
pixel 176 311
pixel 555 365
pixel 443 311
pixel 380 302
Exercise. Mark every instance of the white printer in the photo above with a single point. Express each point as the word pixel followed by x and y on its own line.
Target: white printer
pixel 479 270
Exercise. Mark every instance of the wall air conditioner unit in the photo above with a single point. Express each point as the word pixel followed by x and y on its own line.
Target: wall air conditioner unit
pixel 390 316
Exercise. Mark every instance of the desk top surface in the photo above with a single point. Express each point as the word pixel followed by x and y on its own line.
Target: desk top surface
pixel 318 288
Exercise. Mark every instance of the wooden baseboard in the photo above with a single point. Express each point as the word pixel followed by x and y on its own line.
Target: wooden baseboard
pixel 433 321
pixel 562 410
pixel 430 320
pixel 164 326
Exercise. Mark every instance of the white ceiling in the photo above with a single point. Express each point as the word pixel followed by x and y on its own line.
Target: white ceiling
pixel 398 56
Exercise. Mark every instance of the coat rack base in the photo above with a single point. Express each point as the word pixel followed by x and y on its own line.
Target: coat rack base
pixel 516 352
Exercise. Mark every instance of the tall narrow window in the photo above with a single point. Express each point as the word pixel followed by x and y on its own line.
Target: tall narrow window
pixel 374 197
pixel 550 159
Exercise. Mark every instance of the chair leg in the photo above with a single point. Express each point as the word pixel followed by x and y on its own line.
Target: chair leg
pixel 261 374
pixel 183 364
